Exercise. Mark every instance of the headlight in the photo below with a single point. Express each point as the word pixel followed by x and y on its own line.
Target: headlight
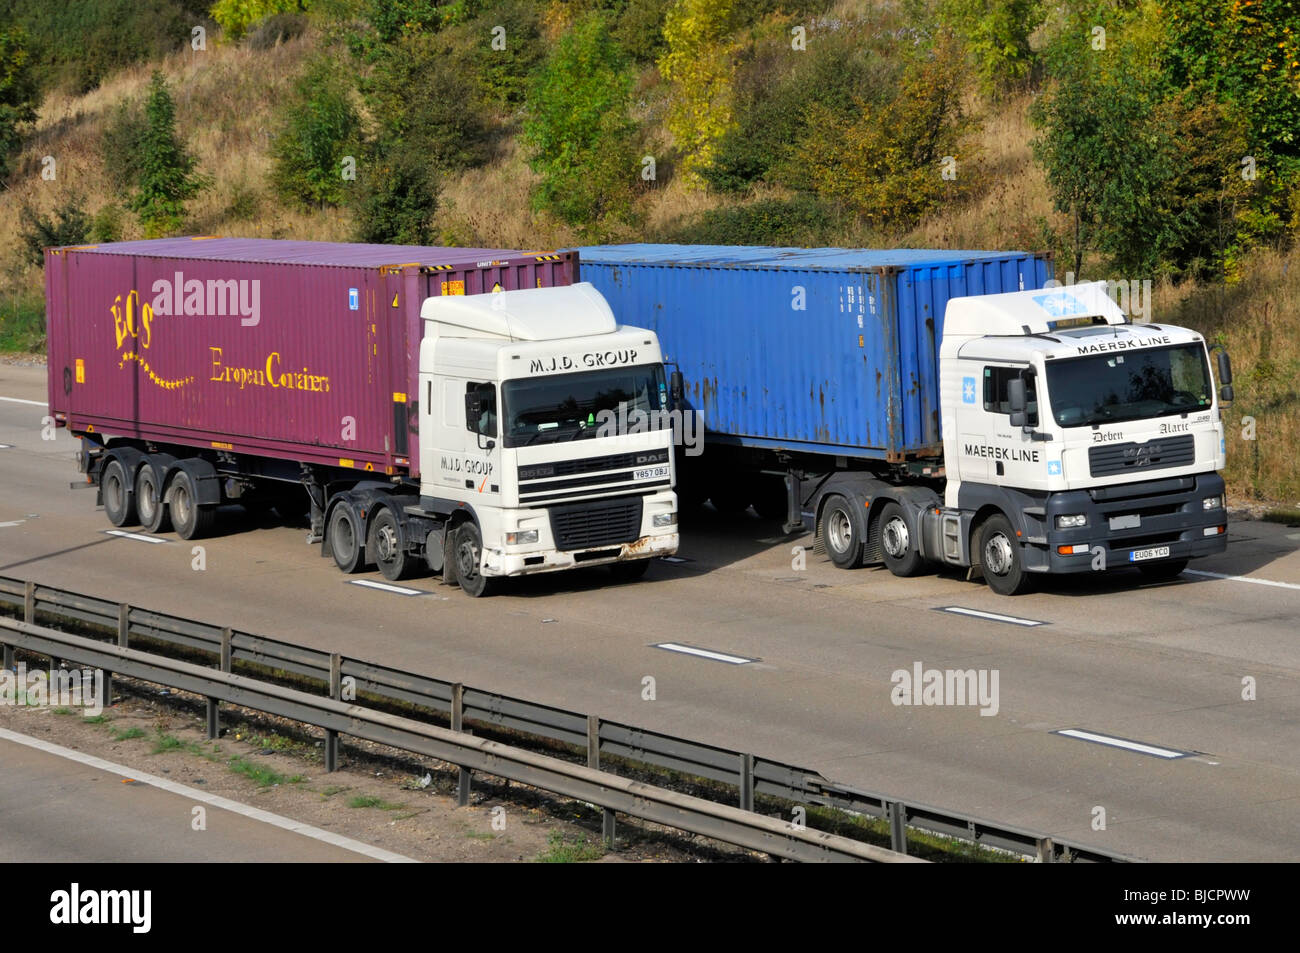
pixel 522 537
pixel 665 519
pixel 1072 521
pixel 1212 503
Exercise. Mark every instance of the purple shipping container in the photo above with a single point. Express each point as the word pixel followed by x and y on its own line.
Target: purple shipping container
pixel 294 350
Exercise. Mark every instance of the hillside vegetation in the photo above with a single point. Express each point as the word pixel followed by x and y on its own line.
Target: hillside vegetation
pixel 1158 141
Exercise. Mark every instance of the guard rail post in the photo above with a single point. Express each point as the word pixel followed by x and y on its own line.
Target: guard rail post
pixel 897 826
pixel 458 724
pixel 336 690
pixel 214 722
pixel 607 817
pixel 746 782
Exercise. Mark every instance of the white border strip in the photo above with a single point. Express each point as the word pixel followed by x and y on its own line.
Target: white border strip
pixel 1258 582
pixel 991 616
pixel 1139 747
pixel 19 400
pixel 387 587
pixel 140 537
pixel 253 813
pixel 704 653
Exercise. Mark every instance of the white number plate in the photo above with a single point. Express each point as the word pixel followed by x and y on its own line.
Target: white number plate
pixel 651 473
pixel 1140 554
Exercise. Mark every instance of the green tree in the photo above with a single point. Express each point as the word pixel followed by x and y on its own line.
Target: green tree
pixel 166 178
pixel 997 36
pixel 397 197
pixel 18 94
pixel 579 132
pixel 320 127
pixel 67 225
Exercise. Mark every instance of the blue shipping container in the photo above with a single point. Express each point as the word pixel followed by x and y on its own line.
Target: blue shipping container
pixel 824 350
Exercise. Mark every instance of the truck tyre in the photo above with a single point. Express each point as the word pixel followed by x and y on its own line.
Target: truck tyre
pixel 469 561
pixel 629 571
pixel 149 502
pixel 901 553
pixel 1162 571
pixel 119 504
pixel 1000 560
pixel 345 538
pixel 191 520
pixel 386 547
pixel 842 531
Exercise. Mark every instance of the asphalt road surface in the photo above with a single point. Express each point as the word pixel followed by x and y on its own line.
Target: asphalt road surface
pixel 1159 664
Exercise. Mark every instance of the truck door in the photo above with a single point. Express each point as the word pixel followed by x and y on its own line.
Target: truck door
pixel 1013 459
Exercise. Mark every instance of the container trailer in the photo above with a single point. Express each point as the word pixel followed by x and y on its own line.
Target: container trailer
pixel 435 408
pixel 935 407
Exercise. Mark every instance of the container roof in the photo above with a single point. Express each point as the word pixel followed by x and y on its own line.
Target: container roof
pixel 259 250
pixel 832 259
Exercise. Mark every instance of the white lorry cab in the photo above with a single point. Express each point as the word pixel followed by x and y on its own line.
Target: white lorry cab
pixel 1075 439
pixel 544 438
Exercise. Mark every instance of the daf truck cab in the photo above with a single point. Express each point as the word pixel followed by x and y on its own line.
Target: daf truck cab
pixel 545 441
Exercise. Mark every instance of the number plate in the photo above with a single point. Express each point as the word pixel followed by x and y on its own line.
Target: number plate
pixel 1128 521
pixel 1158 552
pixel 651 473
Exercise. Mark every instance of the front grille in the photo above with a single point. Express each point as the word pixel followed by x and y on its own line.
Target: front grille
pixel 1159 454
pixel 604 523
pixel 617 461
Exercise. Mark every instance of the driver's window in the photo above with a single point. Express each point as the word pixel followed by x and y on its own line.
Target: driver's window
pixel 486 425
pixel 995 392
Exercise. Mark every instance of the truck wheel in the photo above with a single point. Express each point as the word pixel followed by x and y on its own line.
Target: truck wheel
pixel 902 553
pixel 469 561
pixel 149 502
pixel 842 530
pixel 384 544
pixel 345 539
pixel 1163 570
pixel 629 571
pixel 191 520
pixel 119 506
pixel 1000 560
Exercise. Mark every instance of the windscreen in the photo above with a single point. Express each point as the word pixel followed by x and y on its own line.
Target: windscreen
pixel 576 406
pixel 1130 385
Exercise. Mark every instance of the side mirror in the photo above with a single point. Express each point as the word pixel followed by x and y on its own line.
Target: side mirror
pixel 676 388
pixel 473 411
pixel 1225 394
pixel 1225 369
pixel 1018 402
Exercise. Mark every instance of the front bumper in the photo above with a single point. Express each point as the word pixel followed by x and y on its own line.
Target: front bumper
pixel 1169 514
pixel 497 563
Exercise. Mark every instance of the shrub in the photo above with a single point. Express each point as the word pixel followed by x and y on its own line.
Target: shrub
pixel 320 127
pixel 166 178
pixel 396 198
pixel 68 225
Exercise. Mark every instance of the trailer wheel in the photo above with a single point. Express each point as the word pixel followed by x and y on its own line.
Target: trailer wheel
pixel 191 520
pixel 345 538
pixel 901 552
pixel 119 506
pixel 468 551
pixel 149 502
pixel 384 543
pixel 1000 560
pixel 842 530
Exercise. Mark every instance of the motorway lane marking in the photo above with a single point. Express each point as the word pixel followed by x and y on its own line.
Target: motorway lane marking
pixel 704 653
pixel 676 559
pixel 991 616
pixel 19 400
pixel 1169 754
pixel 387 587
pixel 12 523
pixel 139 537
pixel 6 446
pixel 244 810
pixel 1258 582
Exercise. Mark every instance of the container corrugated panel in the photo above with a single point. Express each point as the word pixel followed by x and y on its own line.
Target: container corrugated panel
pixel 296 350
pixel 827 350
